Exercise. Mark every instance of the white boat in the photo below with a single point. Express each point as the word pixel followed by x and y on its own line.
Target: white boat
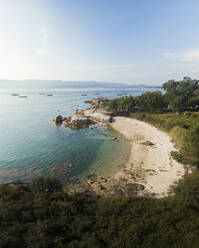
pixel 23 96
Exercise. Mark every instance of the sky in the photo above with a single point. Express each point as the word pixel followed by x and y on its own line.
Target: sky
pixel 127 41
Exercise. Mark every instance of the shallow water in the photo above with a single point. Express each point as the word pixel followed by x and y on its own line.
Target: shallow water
pixel 31 144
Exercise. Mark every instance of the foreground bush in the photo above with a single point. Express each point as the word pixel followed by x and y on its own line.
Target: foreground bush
pixel 52 218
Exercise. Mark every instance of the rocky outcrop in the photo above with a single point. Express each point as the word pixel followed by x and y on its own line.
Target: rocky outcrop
pixel 98 116
pixel 84 118
pixel 58 119
pixel 79 122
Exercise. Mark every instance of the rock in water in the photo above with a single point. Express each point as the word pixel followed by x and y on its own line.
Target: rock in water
pixel 80 122
pixel 58 119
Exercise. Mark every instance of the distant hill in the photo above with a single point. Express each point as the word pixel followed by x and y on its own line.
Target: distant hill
pixel 57 84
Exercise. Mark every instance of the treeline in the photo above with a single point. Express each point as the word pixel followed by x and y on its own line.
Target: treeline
pixel 159 110
pixel 179 96
pixel 43 215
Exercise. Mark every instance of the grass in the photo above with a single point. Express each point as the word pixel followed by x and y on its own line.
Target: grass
pixel 176 126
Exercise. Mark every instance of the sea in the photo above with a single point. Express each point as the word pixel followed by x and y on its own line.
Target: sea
pixel 31 145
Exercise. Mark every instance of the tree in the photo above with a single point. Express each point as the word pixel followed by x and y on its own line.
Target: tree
pixel 180 93
pixel 122 105
pixel 150 101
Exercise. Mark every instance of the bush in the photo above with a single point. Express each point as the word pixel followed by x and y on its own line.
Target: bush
pixel 190 145
pixel 121 106
pixel 57 219
pixel 45 184
pixel 151 102
pixel 178 157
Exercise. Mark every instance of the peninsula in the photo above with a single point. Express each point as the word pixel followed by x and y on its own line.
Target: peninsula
pixel 155 163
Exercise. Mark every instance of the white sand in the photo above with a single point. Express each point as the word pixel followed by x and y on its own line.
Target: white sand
pixel 152 165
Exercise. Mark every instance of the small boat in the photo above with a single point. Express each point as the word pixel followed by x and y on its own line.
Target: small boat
pixel 49 95
pixel 42 94
pixel 15 94
pixel 23 96
pixel 84 95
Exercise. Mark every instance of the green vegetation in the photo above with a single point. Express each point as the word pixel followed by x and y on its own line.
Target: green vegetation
pixel 150 102
pixel 43 215
pixel 121 106
pixel 184 131
pixel 181 97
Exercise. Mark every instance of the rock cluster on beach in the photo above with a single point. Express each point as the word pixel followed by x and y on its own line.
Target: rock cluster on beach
pixel 98 116
pixel 105 187
pixel 78 122
pixel 73 122
pixel 83 119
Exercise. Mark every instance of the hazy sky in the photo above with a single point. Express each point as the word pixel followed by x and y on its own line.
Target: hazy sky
pixel 129 41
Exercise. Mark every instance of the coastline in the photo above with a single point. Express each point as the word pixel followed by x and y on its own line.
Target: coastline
pixel 150 163
pixel 148 171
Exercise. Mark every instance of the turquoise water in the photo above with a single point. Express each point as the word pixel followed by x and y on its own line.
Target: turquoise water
pixel 31 144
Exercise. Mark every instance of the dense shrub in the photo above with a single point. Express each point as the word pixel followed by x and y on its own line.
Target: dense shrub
pixel 150 102
pixel 55 219
pixel 45 184
pixel 121 106
pixel 190 145
pixel 178 157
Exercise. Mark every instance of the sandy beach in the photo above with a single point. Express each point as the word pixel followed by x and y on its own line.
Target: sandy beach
pixel 150 160
pixel 148 171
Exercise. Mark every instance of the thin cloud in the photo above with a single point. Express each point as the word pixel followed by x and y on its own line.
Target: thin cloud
pixel 44 34
pixel 44 38
pixel 99 67
pixel 186 56
pixel 42 51
pixel 44 30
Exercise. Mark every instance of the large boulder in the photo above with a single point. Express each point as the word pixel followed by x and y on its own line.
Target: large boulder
pixel 67 121
pixel 80 122
pixel 58 119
